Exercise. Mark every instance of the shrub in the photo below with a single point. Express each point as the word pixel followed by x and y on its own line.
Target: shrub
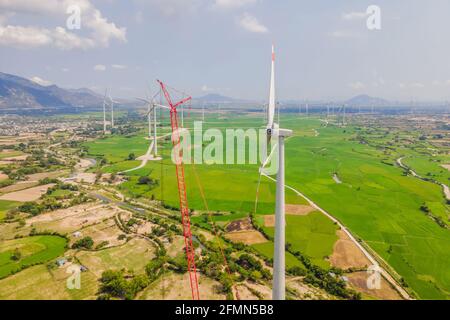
pixel 86 243
pixel 16 255
pixel 115 284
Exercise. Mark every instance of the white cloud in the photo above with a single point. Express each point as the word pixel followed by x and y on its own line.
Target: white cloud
pixel 417 85
pixel 340 34
pixel 41 81
pixel 350 16
pixel 100 31
pixel 29 37
pixel 65 69
pixel 357 85
pixel 205 88
pixel 118 66
pixel 18 36
pixel 233 4
pixel 99 67
pixel 436 83
pixel 174 7
pixel 250 23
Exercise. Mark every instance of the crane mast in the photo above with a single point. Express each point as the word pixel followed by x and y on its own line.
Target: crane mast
pixel 184 206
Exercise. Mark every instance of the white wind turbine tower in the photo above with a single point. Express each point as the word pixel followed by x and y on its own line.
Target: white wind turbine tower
pixel 152 105
pixel 112 110
pixel 149 119
pixel 203 111
pixel 343 119
pixel 104 112
pixel 275 133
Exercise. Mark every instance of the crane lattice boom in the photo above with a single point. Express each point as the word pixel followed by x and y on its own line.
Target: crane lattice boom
pixel 184 206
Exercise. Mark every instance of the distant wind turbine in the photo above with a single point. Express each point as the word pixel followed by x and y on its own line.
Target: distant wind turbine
pixel 104 112
pixel 152 105
pixel 112 109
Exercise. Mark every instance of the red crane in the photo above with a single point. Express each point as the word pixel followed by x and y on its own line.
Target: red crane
pixel 184 207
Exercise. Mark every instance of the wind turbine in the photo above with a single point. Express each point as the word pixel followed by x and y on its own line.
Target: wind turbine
pixel 203 111
pixel 104 112
pixel 112 109
pixel 343 119
pixel 273 132
pixel 152 105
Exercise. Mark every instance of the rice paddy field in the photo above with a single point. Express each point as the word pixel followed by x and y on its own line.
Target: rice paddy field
pixel 314 235
pixel 372 196
pixel 33 250
pixel 40 282
pixel 430 167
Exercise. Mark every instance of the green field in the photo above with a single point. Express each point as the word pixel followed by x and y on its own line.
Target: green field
pixel 314 235
pixel 41 283
pixel 117 148
pixel 34 250
pixel 375 200
pixel 4 155
pixel 429 167
pixel 266 249
pixel 5 206
pixel 221 196
pixel 377 203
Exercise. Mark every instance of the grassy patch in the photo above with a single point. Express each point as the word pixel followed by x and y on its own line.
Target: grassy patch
pixel 314 235
pixel 5 206
pixel 33 250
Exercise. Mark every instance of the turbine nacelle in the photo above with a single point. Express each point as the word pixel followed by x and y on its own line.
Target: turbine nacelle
pixel 278 132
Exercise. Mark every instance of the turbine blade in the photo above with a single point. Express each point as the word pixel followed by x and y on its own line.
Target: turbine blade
pixel 272 94
pixel 257 191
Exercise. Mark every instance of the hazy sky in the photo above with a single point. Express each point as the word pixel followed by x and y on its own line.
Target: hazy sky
pixel 324 48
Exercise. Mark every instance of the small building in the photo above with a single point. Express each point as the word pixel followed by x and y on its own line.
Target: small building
pixel 83 269
pixel 77 234
pixel 61 262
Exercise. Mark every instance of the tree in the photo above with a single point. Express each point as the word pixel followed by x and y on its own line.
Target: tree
pixel 148 181
pixel 115 284
pixel 154 267
pixel 86 243
pixel 131 156
pixel 16 255
pixel 255 275
pixel 249 262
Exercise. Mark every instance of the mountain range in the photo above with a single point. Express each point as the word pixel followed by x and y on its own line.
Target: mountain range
pixel 18 93
pixel 215 98
pixel 367 101
pixel 23 94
